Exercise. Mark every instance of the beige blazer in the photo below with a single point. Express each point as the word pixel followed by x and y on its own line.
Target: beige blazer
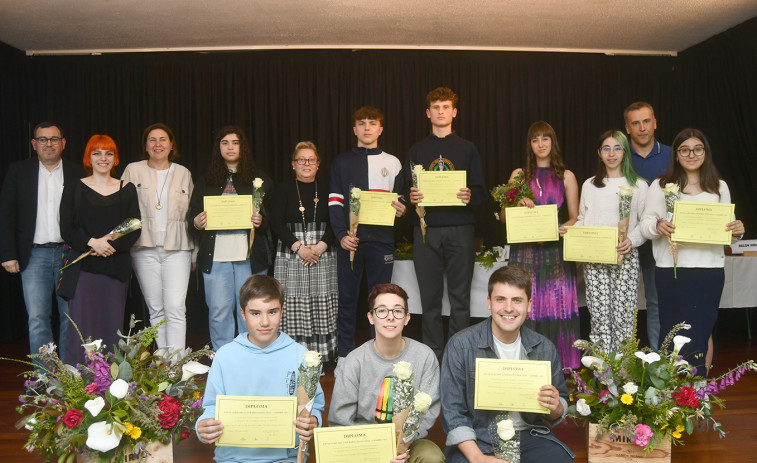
pixel 179 192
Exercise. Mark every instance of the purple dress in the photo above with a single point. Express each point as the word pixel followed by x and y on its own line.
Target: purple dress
pixel 554 312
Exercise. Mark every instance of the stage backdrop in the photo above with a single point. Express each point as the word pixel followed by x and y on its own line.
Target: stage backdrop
pixel 282 97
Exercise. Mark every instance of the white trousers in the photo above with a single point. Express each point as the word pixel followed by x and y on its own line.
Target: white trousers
pixel 164 278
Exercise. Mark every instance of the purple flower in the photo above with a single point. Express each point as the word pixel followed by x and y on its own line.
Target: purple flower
pixel 22 399
pixel 197 403
pixel 101 371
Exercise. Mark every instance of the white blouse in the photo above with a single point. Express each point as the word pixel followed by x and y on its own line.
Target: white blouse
pixel 690 255
pixel 599 206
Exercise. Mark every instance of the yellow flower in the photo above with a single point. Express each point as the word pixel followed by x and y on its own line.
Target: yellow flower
pixel 677 434
pixel 196 395
pixel 132 431
pixel 626 399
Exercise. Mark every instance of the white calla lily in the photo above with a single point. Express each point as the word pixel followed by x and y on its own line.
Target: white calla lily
pixel 119 388
pixel 192 368
pixel 648 358
pixel 102 436
pixel 92 346
pixel 678 343
pixel 95 405
pixel 592 362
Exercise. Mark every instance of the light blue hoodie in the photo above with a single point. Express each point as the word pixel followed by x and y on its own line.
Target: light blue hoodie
pixel 242 368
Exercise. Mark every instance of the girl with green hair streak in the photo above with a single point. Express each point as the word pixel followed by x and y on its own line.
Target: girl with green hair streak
pixel 614 197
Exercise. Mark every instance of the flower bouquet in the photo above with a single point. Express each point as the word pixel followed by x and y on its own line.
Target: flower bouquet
pixel 505 441
pixel 624 209
pixel 409 406
pixel 646 397
pixel 115 404
pixel 509 194
pixel 354 214
pixel 307 382
pixel 258 193
pixel 672 194
pixel 420 210
pixel 124 228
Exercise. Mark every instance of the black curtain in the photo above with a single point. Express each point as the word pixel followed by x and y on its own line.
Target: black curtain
pixel 281 97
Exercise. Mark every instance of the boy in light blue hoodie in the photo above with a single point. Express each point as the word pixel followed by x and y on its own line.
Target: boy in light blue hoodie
pixel 261 362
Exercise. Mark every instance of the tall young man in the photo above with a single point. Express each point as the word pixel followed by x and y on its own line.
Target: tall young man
pixel 501 336
pixel 650 160
pixel 448 246
pixel 363 381
pixel 368 167
pixel 30 240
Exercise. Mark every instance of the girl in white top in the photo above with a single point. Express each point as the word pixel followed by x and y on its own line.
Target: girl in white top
pixel 611 289
pixel 693 296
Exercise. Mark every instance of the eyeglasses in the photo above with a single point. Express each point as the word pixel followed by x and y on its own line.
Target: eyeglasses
pixel 302 162
pixel 685 151
pixel 383 312
pixel 606 149
pixel 44 140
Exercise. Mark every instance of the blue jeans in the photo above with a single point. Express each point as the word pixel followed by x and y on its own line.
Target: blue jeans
pixel 39 279
pixel 646 259
pixel 222 287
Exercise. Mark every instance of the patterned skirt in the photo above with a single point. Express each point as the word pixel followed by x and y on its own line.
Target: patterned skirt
pixel 554 311
pixel 311 300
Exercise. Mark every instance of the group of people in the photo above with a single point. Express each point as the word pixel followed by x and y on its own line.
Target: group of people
pixel 51 214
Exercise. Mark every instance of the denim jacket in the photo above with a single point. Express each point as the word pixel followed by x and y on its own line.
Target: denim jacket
pixel 460 420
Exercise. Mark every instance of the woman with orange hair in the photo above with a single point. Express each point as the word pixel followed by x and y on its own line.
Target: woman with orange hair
pixel 89 210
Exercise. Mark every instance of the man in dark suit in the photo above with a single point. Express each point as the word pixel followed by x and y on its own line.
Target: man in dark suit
pixel 30 241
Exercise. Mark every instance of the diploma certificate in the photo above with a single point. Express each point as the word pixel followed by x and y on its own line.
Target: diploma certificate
pixel 440 188
pixel 228 212
pixel 256 421
pixel 530 225
pixel 591 244
pixel 511 385
pixel 702 222
pixel 376 208
pixel 372 443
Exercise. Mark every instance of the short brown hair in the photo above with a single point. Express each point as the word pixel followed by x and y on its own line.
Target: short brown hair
pixel 160 126
pixel 385 288
pixel 513 276
pixel 635 107
pixel 370 113
pixel 261 287
pixel 441 94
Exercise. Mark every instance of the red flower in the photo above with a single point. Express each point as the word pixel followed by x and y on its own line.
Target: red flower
pixel 169 411
pixel 73 418
pixel 184 434
pixel 687 397
pixel 512 194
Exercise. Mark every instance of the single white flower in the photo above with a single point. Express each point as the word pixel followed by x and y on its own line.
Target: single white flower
pixel 192 368
pixel 618 356
pixel 312 359
pixel 421 402
pixel 625 190
pixel 355 193
pixel 258 182
pixel 680 362
pixel 581 344
pixel 678 342
pixel 119 388
pixel 592 362
pixel 92 346
pixel 30 424
pixel 95 405
pixel 670 188
pixel 582 408
pixel 417 168
pixel 648 358
pixel 102 436
pixel 630 388
pixel 505 429
pixel 161 351
pixel 403 370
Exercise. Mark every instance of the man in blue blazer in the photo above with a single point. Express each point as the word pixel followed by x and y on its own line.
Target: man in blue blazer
pixel 30 241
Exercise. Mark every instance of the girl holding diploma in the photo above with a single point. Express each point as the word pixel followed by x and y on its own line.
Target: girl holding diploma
pixel 224 256
pixel 611 290
pixel 693 295
pixel 554 311
pixel 305 255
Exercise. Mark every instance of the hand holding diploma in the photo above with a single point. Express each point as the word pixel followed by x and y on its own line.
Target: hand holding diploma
pixel 549 398
pixel 210 430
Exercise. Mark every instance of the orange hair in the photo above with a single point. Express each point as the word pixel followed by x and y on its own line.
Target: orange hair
pixel 99 142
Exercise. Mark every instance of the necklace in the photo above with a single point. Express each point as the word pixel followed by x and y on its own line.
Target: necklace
pixel 302 209
pixel 540 190
pixel 158 204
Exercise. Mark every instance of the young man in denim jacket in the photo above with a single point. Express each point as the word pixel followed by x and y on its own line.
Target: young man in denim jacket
pixel 501 336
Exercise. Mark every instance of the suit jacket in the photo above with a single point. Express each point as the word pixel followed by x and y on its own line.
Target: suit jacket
pixel 18 207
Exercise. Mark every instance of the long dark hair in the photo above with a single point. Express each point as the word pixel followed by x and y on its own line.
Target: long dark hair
pixel 217 170
pixel 709 177
pixel 626 166
pixel 539 129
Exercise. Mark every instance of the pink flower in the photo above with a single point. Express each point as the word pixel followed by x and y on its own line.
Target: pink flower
pixel 643 435
pixel 91 388
pixel 604 396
